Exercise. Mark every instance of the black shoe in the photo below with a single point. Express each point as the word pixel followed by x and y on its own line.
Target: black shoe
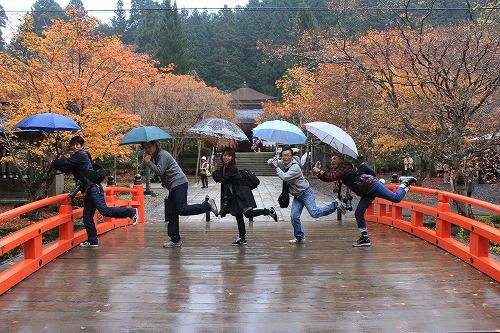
pixel 362 241
pixel 239 241
pixel 273 214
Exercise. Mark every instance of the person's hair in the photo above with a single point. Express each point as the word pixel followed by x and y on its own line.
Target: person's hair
pixel 77 139
pixel 287 148
pixel 229 151
pixel 153 142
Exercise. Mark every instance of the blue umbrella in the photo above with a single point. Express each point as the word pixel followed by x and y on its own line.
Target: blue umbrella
pixel 280 131
pixel 144 134
pixel 48 122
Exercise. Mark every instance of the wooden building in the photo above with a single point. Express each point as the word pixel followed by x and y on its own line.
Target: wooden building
pixel 247 103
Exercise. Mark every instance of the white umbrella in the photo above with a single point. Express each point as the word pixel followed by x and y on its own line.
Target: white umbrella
pixel 334 136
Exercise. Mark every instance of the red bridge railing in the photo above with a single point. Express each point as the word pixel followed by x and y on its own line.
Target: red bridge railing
pixel 35 253
pixel 476 253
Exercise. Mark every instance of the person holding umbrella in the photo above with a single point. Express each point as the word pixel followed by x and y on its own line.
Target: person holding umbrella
pixel 236 198
pixel 364 185
pixel 288 169
pixel 79 164
pixel 173 178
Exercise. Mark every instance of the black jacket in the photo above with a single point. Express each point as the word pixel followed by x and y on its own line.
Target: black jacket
pixel 78 163
pixel 236 198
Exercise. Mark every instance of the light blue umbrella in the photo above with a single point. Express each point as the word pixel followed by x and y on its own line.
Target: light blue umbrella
pixel 280 131
pixel 144 134
pixel 48 122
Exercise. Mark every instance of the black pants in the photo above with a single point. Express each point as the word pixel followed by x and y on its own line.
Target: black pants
pixel 248 214
pixel 177 205
pixel 94 199
pixel 204 180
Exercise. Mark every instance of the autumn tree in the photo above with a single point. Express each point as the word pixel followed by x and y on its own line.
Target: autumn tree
pixel 74 72
pixel 176 102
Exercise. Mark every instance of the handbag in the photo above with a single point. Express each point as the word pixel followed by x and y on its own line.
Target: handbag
pixel 208 173
pixel 284 198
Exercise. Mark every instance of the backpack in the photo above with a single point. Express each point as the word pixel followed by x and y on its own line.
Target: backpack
pixel 97 174
pixel 362 169
pixel 249 179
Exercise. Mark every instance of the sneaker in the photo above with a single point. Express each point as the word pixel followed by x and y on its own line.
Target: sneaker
pixel 296 241
pixel 362 241
pixel 135 218
pixel 168 244
pixel 239 242
pixel 341 207
pixel 213 207
pixel 273 214
pixel 407 181
pixel 88 244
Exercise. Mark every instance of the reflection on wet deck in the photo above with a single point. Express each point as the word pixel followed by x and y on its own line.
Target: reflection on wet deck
pixel 131 284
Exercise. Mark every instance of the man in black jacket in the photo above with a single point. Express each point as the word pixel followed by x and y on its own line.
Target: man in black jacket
pixel 79 164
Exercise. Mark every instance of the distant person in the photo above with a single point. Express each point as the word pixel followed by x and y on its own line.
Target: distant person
pixel 408 165
pixel 255 145
pixel 173 178
pixel 79 164
pixel 364 185
pixel 204 171
pixel 236 198
pixel 303 196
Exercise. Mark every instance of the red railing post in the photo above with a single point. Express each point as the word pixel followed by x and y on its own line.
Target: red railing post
pixel 138 196
pixel 33 248
pixel 443 228
pixel 66 230
pixel 479 246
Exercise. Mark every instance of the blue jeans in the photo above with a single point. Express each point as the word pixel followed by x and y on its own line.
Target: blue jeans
pixel 308 200
pixel 177 205
pixel 376 190
pixel 94 199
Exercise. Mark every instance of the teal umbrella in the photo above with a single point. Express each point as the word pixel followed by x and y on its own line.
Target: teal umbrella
pixel 144 134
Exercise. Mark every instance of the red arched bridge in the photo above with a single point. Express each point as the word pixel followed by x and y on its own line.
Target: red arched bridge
pixel 130 283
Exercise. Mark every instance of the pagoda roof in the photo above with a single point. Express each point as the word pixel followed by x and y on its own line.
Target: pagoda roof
pixel 248 94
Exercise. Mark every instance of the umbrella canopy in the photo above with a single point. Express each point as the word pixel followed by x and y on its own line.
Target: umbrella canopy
pixel 280 131
pixel 48 122
pixel 334 136
pixel 144 134
pixel 219 128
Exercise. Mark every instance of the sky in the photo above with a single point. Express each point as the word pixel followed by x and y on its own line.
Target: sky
pixel 25 6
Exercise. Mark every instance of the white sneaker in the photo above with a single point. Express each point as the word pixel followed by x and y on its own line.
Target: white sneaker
pixel 172 244
pixel 296 241
pixel 135 218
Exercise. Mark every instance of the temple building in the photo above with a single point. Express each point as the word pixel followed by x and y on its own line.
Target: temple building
pixel 248 105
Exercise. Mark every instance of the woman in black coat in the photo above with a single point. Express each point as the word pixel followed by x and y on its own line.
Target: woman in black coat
pixel 236 198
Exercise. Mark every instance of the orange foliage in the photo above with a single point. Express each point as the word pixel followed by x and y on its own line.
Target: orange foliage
pixel 74 72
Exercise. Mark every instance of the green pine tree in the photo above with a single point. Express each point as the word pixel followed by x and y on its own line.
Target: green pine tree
pixel 119 20
pixel 3 21
pixel 43 12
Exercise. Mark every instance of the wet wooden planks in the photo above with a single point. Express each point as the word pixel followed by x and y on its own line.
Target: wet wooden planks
pixel 131 284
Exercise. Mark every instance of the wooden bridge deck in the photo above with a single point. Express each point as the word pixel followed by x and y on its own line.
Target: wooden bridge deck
pixel 131 284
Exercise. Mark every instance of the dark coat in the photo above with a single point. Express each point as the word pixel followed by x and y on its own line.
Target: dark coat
pixel 79 164
pixel 236 198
